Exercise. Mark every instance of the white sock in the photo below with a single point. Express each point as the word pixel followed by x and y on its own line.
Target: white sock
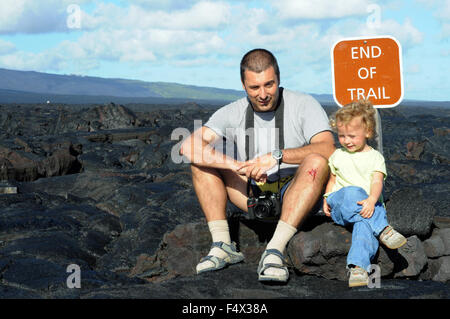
pixel 219 232
pixel 283 233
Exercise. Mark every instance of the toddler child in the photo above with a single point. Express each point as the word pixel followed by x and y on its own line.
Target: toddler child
pixel 353 193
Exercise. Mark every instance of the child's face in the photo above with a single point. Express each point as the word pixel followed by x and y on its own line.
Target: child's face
pixel 353 136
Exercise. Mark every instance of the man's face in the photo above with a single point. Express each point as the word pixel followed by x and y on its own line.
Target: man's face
pixel 262 89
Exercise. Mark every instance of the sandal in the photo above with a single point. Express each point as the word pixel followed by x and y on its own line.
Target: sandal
pixel 391 238
pixel 233 257
pixel 357 277
pixel 263 267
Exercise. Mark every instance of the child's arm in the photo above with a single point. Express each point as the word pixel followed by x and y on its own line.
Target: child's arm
pixel 376 187
pixel 330 184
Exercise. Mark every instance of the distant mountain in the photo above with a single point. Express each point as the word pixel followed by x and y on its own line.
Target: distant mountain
pixel 17 97
pixel 38 87
pixel 30 85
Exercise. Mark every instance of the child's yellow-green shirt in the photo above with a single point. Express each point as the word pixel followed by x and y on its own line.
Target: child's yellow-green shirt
pixel 355 168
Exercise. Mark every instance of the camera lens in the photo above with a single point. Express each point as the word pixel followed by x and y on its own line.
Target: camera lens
pixel 263 209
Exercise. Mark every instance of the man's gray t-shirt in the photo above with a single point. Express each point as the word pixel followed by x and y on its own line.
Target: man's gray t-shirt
pixel 304 117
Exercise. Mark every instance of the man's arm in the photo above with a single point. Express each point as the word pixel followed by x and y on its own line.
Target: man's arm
pixel 321 143
pixel 198 150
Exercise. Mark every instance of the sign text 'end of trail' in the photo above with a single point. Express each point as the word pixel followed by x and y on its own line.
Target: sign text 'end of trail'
pixel 367 68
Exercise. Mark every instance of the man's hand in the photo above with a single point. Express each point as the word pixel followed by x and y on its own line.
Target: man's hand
pixel 368 207
pixel 326 208
pixel 257 168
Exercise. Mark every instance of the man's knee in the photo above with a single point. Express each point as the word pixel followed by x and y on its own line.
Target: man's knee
pixel 205 174
pixel 195 169
pixel 316 161
pixel 315 166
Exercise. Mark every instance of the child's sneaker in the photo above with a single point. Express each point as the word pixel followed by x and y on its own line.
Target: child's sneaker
pixel 358 277
pixel 391 238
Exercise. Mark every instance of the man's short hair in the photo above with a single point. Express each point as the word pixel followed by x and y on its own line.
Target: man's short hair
pixel 259 60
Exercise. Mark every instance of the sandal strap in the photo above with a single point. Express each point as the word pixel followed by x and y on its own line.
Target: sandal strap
pixel 272 265
pixel 263 267
pixel 232 256
pixel 218 262
pixel 275 252
pixel 220 244
pixel 230 249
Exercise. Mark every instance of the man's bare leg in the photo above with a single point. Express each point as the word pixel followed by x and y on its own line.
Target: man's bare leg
pixel 211 192
pixel 298 200
pixel 213 187
pixel 305 189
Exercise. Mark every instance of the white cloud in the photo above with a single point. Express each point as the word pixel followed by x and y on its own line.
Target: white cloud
pixel 6 47
pixel 10 13
pixel 28 16
pixel 427 3
pixel 29 61
pixel 202 15
pixel 133 34
pixel 131 46
pixel 442 14
pixel 147 45
pixel 66 56
pixel 446 30
pixel 306 9
pixel 140 34
pixel 407 34
pixel 31 16
pixel 162 4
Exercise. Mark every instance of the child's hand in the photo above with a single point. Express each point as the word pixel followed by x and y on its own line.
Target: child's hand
pixel 326 208
pixel 368 207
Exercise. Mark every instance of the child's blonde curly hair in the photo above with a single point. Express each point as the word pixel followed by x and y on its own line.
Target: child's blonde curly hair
pixel 363 108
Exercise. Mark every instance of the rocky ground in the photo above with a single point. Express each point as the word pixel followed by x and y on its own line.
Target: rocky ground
pixel 99 188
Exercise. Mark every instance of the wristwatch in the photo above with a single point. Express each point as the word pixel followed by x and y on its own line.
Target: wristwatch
pixel 278 155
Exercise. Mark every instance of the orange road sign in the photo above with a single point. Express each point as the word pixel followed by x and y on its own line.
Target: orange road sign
pixel 367 68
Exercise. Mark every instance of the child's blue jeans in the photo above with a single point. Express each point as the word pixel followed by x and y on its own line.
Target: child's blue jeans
pixel 345 211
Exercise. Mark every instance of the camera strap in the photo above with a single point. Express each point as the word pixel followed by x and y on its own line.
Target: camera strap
pixel 249 138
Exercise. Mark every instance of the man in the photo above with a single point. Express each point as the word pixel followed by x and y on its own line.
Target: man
pixel 218 176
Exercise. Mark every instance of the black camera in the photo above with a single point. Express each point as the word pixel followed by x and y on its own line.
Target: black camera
pixel 265 207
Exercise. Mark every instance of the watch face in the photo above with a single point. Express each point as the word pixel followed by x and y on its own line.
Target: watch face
pixel 277 154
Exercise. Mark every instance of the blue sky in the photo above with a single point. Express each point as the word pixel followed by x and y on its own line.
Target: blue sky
pixel 202 42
